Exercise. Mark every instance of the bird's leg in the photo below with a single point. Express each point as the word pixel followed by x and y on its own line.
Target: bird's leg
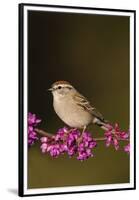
pixel 83 129
pixel 80 138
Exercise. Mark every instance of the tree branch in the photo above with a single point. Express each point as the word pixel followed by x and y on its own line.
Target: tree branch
pixel 43 133
pixel 46 134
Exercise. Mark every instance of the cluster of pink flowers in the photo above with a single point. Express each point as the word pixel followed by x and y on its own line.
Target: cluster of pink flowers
pixel 73 142
pixel 33 121
pixel 114 135
pixel 70 141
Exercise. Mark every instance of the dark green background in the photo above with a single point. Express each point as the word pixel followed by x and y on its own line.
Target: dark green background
pixel 91 52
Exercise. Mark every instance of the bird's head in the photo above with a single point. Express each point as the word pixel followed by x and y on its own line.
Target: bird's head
pixel 61 89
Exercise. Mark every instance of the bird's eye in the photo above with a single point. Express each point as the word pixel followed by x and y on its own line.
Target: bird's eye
pixel 59 87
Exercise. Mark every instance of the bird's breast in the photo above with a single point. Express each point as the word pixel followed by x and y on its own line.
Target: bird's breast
pixel 72 114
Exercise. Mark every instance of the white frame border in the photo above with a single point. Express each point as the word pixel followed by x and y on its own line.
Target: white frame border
pixel 92 188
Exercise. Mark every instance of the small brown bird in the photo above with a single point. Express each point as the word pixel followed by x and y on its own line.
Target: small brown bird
pixel 73 108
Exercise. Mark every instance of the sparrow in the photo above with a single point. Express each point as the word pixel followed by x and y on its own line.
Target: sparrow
pixel 73 108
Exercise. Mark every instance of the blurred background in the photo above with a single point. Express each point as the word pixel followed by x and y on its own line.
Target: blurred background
pixel 91 52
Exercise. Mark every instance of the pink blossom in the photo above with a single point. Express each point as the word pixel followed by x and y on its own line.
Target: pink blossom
pixel 114 134
pixel 33 121
pixel 127 148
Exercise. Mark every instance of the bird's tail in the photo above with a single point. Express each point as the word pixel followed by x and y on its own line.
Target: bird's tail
pixel 104 124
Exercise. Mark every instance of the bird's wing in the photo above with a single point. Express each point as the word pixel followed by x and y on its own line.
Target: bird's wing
pixel 85 104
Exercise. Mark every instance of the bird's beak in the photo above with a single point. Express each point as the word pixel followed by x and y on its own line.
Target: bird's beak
pixel 50 89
